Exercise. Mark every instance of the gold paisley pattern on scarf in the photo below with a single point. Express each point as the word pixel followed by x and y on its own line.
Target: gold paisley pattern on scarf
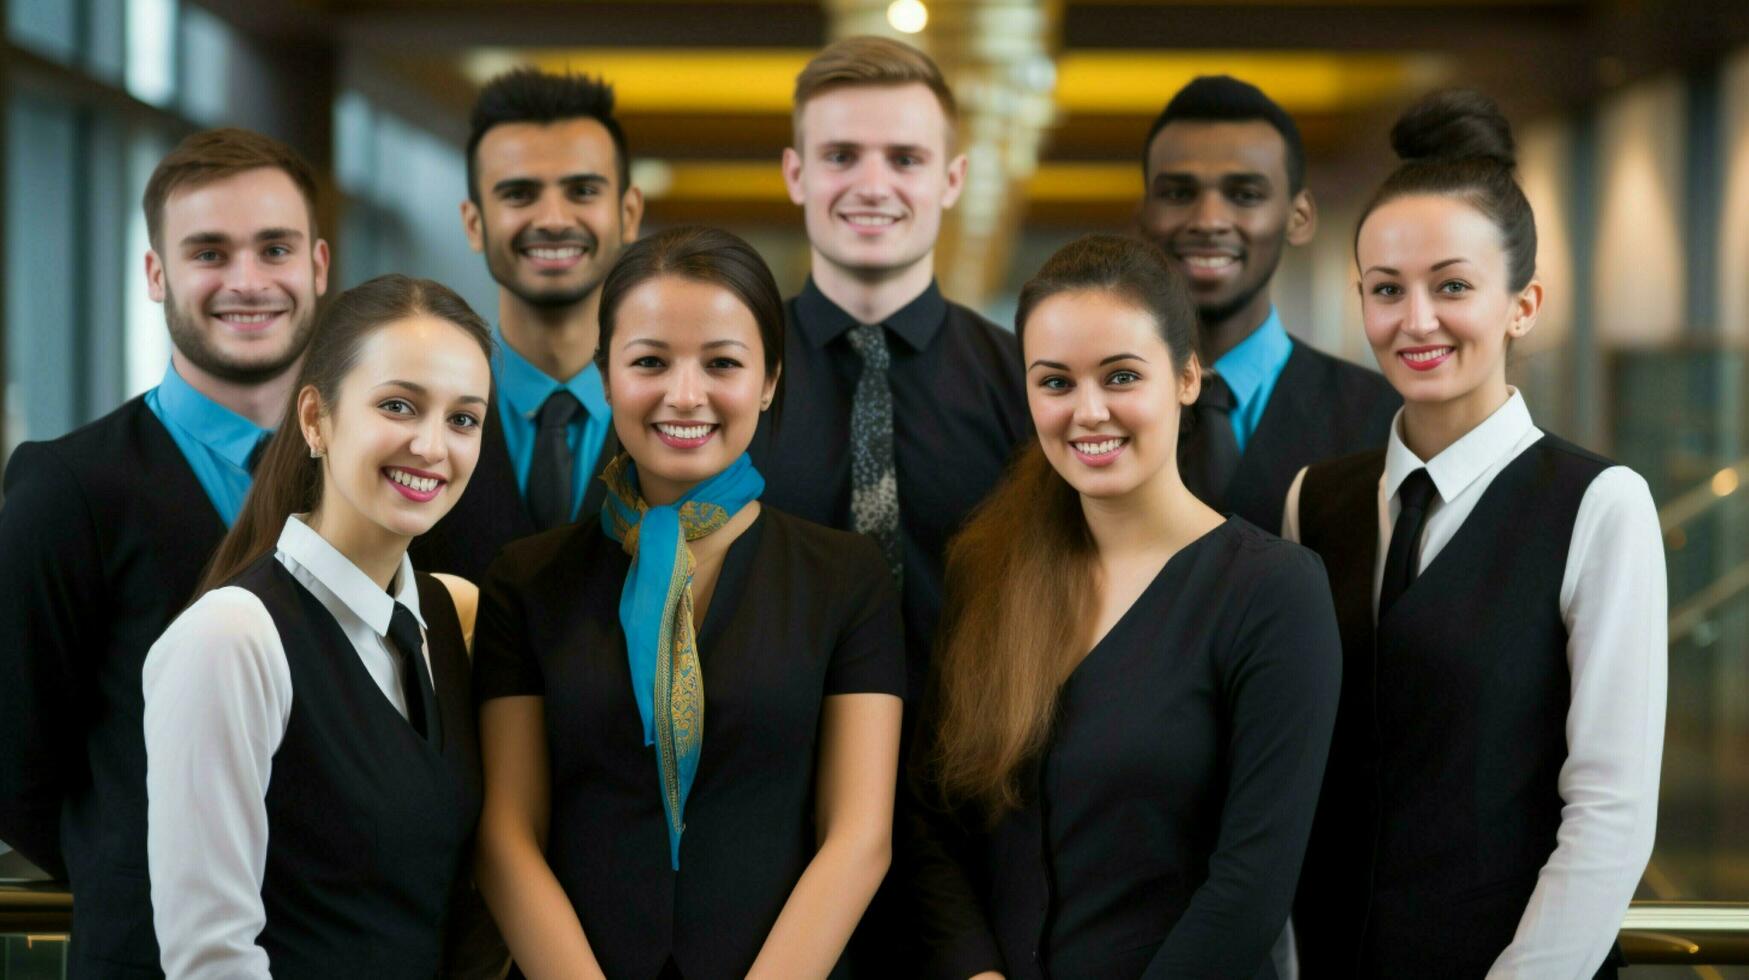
pixel 679 694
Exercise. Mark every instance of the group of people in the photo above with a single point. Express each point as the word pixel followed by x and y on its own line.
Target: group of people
pixel 666 628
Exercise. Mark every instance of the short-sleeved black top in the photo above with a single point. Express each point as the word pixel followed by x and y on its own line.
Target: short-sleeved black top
pixel 800 612
pixel 1165 821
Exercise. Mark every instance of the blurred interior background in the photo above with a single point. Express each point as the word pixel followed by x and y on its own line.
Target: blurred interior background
pixel 1633 119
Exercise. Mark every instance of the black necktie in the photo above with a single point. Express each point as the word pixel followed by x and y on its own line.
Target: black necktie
pixel 1208 454
pixel 1412 500
pixel 549 473
pixel 416 687
pixel 874 477
pixel 255 454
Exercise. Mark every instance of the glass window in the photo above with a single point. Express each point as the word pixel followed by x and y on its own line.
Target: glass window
pixel 41 228
pixel 151 35
pixel 207 67
pixel 106 40
pixel 145 340
pixel 404 188
pixel 48 27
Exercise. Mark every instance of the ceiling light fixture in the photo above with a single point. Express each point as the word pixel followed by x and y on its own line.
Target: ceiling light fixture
pixel 907 16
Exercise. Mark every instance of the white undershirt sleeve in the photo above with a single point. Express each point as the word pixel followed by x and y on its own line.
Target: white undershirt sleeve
pixel 1615 605
pixel 218 697
pixel 1290 509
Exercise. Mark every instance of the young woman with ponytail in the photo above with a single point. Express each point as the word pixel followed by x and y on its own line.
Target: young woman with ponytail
pixel 690 702
pixel 311 763
pixel 1125 732
pixel 1493 780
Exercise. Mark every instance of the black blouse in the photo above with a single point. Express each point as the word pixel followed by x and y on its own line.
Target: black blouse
pixel 1166 818
pixel 800 612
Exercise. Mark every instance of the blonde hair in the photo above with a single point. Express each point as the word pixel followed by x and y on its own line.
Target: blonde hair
pixel 869 60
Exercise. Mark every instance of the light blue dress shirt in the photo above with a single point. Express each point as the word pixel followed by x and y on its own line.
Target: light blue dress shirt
pixel 522 390
pixel 1251 370
pixel 215 440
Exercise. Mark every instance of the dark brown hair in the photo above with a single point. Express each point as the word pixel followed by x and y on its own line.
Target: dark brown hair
pixel 288 480
pixel 529 95
pixel 871 60
pixel 1020 605
pixel 215 154
pixel 1456 143
pixel 700 254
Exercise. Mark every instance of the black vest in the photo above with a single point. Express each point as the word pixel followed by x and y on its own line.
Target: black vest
pixel 1440 801
pixel 370 825
pixel 492 512
pixel 1321 408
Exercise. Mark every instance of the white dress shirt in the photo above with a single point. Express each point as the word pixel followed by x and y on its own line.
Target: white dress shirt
pixel 218 698
pixel 1614 604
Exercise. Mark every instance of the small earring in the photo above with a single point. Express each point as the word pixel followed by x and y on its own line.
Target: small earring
pixel 315 453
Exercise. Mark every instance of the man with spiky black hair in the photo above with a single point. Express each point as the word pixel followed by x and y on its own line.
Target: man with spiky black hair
pixel 1225 189
pixel 550 205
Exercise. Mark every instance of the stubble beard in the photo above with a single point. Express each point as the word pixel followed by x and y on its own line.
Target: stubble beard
pixel 501 264
pixel 1216 314
pixel 194 343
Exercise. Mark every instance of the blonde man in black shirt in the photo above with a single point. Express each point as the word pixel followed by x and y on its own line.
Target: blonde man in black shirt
pixel 902 408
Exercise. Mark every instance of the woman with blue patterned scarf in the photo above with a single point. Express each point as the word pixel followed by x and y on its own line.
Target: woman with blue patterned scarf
pixel 690 703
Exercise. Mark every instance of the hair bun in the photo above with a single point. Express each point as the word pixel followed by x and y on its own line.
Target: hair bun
pixel 1456 124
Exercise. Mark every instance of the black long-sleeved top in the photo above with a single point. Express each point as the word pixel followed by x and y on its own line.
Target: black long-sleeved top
pixel 1167 816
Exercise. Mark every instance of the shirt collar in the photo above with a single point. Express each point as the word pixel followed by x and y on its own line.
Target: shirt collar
pixel 528 387
pixel 916 323
pixel 214 426
pixel 350 585
pixel 1454 469
pixel 1255 360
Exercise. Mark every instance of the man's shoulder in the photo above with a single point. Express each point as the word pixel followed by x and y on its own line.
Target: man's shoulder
pixel 964 318
pixel 1343 371
pixel 980 345
pixel 108 451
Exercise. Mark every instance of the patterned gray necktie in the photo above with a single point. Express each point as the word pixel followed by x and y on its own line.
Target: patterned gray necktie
pixel 874 479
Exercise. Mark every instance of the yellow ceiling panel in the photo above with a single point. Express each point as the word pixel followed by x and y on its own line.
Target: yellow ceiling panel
pixel 1085 183
pixel 667 79
pixel 679 80
pixel 751 181
pixel 1140 82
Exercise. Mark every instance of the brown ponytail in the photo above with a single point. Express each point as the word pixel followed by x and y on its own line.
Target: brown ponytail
pixel 287 480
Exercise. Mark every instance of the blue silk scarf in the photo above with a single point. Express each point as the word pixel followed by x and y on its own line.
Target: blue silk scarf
pixel 655 610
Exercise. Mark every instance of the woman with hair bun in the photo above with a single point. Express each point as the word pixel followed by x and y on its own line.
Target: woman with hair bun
pixel 1492 786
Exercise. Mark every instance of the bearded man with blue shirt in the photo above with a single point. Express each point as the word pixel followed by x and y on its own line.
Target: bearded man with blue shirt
pixel 104 531
pixel 550 205
pixel 1225 190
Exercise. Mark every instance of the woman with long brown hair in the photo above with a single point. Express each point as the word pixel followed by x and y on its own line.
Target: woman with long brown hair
pixel 311 763
pixel 690 705
pixel 1126 729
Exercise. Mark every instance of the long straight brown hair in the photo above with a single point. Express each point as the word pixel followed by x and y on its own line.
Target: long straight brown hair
pixel 287 479
pixel 1022 577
